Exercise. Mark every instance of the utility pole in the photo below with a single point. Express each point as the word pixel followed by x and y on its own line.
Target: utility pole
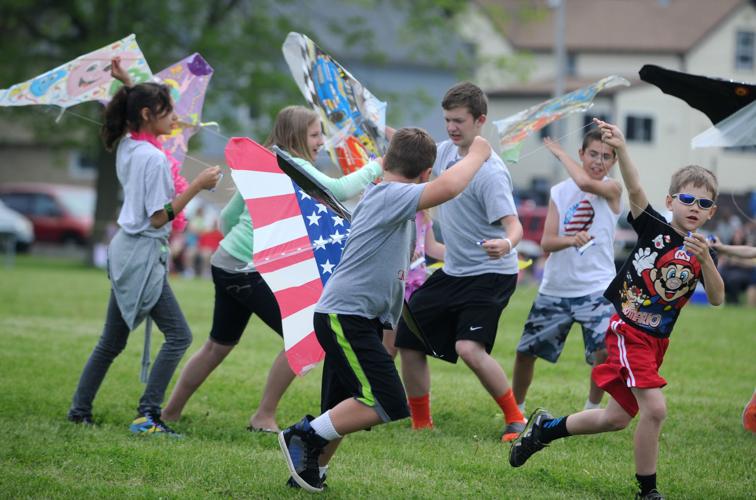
pixel 560 59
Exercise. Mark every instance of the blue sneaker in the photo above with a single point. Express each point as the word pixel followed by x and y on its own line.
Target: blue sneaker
pixel 149 424
pixel 301 447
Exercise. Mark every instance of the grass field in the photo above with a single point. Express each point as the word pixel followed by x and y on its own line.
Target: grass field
pixel 51 313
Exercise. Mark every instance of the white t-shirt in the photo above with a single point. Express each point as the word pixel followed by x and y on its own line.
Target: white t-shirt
pixel 567 273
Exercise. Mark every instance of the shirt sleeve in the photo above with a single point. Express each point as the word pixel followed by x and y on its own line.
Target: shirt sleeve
pixel 230 214
pixel 400 202
pixel 158 184
pixel 347 186
pixel 646 217
pixel 494 190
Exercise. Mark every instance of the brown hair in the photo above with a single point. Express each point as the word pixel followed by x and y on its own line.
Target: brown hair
pixel 594 135
pixel 290 131
pixel 698 176
pixel 410 152
pixel 468 95
pixel 125 109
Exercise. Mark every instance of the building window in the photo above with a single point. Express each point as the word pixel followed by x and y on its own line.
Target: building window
pixel 590 115
pixel 744 49
pixel 82 166
pixel 639 128
pixel 571 64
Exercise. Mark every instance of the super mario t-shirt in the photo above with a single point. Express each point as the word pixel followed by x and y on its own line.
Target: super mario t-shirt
pixel 657 279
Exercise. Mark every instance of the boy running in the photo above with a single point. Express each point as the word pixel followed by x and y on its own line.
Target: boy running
pixel 648 292
pixel 361 387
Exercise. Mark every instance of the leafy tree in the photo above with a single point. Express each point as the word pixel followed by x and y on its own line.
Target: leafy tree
pixel 240 39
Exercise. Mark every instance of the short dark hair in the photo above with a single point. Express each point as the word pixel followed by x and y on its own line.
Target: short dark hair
pixel 593 135
pixel 411 151
pixel 696 175
pixel 468 95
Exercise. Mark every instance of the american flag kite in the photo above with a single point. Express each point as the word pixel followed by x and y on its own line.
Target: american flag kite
pixel 297 244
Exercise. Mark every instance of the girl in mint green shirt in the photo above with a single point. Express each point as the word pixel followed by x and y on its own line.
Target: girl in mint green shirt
pixel 240 291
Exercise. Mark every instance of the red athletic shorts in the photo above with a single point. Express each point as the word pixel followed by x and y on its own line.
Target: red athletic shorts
pixel 634 360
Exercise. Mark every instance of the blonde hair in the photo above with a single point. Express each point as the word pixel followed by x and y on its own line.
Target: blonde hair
pixel 696 175
pixel 290 131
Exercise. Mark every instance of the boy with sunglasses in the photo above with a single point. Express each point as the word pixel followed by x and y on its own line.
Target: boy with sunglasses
pixel 648 292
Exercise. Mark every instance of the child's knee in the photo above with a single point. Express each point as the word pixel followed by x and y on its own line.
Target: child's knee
pixel 470 352
pixel 618 421
pixel 656 411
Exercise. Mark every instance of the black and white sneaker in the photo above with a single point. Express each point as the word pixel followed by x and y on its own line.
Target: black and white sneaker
pixel 301 447
pixel 651 495
pixel 529 441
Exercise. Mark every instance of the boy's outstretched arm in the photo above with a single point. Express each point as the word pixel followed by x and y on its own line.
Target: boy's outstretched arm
pixel 609 189
pixel 456 179
pixel 612 135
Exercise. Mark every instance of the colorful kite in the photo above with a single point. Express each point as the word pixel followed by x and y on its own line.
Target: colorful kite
pixel 86 78
pixel 354 120
pixel 298 243
pixel 514 129
pixel 188 80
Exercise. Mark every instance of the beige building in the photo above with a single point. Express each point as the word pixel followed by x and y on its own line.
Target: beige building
pixel 605 37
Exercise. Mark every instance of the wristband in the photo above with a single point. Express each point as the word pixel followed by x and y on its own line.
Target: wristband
pixel 169 210
pixel 511 246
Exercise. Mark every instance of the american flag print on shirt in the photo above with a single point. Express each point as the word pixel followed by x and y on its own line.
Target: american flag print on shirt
pixel 578 218
pixel 297 244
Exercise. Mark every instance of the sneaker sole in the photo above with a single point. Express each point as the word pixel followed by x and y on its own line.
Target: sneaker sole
pixel 301 482
pixel 528 426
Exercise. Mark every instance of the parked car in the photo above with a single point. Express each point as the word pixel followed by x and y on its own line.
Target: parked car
pixel 59 213
pixel 17 227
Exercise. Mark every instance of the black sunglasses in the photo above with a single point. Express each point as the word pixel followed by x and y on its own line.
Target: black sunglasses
pixel 689 199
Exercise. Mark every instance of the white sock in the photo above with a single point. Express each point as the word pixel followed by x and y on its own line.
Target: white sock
pixel 324 427
pixel 323 471
pixel 591 406
pixel 521 406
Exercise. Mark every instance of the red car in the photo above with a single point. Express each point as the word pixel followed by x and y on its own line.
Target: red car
pixel 532 218
pixel 59 213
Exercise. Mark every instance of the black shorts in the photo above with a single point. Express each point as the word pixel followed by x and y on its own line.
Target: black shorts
pixel 358 366
pixel 451 308
pixel 237 296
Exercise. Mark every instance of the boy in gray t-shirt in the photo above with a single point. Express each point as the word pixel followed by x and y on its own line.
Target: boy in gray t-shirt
pixel 361 387
pixel 459 306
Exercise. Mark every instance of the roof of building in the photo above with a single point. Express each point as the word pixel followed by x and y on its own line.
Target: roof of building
pixel 545 88
pixel 611 25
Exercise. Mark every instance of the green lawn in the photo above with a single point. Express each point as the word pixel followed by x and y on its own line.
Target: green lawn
pixel 51 313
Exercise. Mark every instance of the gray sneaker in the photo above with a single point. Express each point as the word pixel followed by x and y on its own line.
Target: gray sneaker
pixel 512 430
pixel 529 441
